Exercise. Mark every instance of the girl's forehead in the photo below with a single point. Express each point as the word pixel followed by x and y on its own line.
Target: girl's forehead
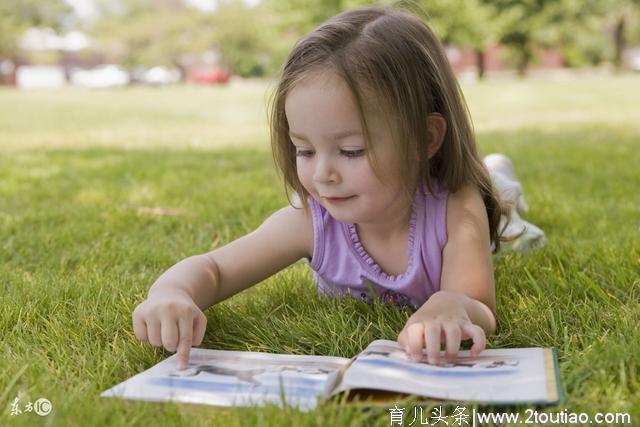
pixel 315 102
pixel 326 92
pixel 320 77
pixel 319 85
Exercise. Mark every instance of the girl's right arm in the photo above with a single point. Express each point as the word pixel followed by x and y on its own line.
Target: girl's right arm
pixel 172 317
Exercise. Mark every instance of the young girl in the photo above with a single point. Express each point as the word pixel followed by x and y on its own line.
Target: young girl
pixel 370 129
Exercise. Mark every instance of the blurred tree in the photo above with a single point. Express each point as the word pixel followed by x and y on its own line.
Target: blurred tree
pixel 621 16
pixel 16 17
pixel 150 32
pixel 301 16
pixel 164 32
pixel 528 24
pixel 575 28
pixel 464 23
pixel 247 38
pixel 522 24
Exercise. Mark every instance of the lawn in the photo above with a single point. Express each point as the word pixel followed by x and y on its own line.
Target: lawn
pixel 79 251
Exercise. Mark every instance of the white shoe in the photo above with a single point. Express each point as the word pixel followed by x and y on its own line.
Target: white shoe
pixel 510 192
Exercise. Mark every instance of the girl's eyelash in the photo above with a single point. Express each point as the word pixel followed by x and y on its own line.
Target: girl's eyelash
pixel 304 153
pixel 346 153
pixel 352 153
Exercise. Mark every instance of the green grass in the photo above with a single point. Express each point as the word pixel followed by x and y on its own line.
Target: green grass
pixel 78 256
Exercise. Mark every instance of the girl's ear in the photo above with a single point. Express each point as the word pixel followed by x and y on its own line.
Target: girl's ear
pixel 437 129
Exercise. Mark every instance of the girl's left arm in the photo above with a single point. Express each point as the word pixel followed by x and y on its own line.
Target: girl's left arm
pixel 464 308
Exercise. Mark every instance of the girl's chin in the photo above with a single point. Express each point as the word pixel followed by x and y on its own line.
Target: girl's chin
pixel 339 215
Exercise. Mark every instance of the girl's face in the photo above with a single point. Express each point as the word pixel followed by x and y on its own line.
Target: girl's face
pixel 332 165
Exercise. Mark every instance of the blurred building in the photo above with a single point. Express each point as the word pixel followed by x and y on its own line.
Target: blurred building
pixel 466 60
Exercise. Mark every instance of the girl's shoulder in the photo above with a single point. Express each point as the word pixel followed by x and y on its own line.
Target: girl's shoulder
pixel 466 208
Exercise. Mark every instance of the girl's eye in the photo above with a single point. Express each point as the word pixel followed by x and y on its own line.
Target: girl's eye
pixel 346 153
pixel 304 153
pixel 352 153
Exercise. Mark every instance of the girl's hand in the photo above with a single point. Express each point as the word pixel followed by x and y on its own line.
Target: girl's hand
pixel 442 318
pixel 170 319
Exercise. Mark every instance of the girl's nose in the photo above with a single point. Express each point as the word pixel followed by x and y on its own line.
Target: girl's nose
pixel 324 171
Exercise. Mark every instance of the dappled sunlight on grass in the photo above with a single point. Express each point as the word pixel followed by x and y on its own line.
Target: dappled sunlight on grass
pixel 141 194
pixel 550 105
pixel 170 118
pixel 91 196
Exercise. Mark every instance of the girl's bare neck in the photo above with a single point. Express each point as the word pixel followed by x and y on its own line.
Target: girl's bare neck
pixel 389 229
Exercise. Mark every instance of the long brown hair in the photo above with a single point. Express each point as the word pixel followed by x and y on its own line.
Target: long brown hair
pixel 391 59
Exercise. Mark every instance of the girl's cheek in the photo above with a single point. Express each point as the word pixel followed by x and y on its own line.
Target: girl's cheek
pixel 362 172
pixel 304 175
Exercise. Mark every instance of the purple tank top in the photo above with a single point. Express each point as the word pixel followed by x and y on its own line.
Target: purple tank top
pixel 341 264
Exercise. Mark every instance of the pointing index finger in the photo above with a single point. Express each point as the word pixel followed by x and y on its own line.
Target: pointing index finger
pixel 185 329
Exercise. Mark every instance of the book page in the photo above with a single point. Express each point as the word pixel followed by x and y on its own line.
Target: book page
pixel 500 375
pixel 236 378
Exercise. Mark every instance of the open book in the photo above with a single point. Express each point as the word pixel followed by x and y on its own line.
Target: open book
pixel 238 378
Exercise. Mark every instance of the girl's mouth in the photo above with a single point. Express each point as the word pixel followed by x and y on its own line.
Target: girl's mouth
pixel 338 199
